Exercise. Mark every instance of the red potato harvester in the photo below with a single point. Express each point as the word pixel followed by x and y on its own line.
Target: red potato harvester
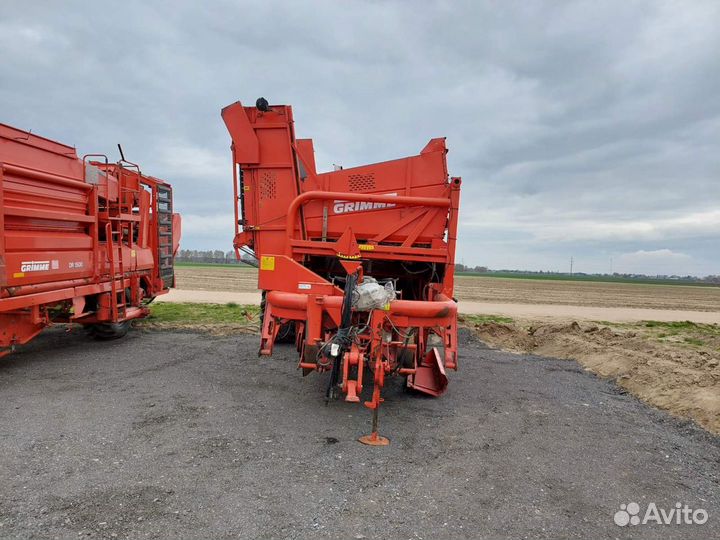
pixel 81 240
pixel 358 263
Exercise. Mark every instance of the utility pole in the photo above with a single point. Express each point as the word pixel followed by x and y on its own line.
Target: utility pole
pixel 571 266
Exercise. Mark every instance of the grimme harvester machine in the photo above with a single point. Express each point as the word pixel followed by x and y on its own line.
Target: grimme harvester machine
pixel 81 240
pixel 359 261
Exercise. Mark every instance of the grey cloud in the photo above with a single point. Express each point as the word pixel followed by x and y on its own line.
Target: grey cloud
pixel 585 118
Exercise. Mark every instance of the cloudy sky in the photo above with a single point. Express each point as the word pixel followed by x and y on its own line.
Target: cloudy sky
pixel 583 129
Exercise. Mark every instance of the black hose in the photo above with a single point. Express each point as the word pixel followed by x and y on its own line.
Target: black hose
pixel 342 338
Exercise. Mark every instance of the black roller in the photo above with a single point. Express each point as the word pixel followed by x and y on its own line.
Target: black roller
pixel 262 104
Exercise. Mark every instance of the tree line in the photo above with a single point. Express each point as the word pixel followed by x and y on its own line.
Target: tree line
pixel 210 257
pixel 228 257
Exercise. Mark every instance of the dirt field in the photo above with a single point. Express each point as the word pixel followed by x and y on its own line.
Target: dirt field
pixel 216 278
pixel 503 290
pixel 182 435
pixel 675 367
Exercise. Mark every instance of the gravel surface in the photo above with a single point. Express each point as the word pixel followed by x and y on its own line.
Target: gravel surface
pixel 181 435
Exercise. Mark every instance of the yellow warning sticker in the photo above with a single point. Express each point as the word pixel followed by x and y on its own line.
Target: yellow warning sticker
pixel 366 247
pixel 267 263
pixel 132 253
pixel 19 274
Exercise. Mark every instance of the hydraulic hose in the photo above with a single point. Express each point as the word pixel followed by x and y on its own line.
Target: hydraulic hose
pixel 342 337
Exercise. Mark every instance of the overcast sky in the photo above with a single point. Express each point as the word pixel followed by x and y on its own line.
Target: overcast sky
pixel 583 129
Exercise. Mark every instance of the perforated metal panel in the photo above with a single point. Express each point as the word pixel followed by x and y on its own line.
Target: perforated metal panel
pixel 361 182
pixel 268 185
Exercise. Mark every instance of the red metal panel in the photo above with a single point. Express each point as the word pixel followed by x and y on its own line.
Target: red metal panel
pixel 3 275
pixel 245 142
pixel 271 182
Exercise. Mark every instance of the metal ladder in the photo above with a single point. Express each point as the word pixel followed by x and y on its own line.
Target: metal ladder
pixel 165 235
pixel 114 249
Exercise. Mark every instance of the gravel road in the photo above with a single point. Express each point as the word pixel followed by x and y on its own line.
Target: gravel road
pixel 180 435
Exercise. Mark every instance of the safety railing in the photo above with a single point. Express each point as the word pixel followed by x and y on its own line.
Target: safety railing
pixel 396 200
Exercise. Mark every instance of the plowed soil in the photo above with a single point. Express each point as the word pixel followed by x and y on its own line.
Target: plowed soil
pixel 677 370
pixel 503 290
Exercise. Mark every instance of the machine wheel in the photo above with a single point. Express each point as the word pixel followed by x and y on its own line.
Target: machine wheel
pixel 107 331
pixel 286 333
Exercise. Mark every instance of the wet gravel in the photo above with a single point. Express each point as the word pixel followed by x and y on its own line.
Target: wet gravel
pixel 183 435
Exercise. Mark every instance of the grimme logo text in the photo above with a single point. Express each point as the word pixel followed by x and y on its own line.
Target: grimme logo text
pixel 34 266
pixel 343 207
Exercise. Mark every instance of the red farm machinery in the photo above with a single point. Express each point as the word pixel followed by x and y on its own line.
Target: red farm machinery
pixel 81 240
pixel 357 263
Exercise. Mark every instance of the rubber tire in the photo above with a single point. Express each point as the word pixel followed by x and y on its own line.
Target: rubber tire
pixel 108 331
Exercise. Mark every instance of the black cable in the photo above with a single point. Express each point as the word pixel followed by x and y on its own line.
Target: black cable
pixel 342 338
pixel 246 251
